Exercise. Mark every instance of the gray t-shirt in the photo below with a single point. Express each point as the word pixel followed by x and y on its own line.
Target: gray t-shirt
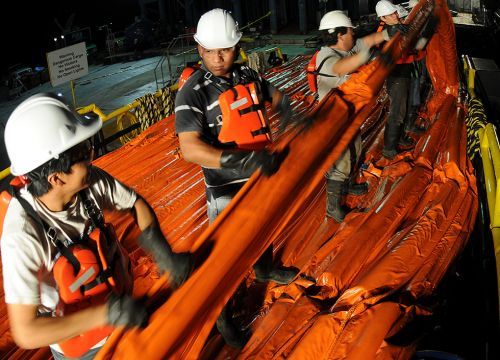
pixel 325 83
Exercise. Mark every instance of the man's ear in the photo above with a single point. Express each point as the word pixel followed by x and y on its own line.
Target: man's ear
pixel 200 51
pixel 56 179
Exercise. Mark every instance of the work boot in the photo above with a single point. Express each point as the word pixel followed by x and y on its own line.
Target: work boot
pixel 357 189
pixel 417 128
pixel 282 276
pixel 264 271
pixel 392 134
pixel 334 207
pixel 389 153
pixel 406 143
pixel 231 334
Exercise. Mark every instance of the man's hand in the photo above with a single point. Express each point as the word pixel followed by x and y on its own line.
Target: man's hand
pixel 249 161
pixel 125 311
pixel 177 265
pixel 392 30
pixel 284 107
pixel 376 53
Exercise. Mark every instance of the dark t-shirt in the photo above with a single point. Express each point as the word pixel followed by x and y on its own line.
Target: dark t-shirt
pixel 401 70
pixel 197 109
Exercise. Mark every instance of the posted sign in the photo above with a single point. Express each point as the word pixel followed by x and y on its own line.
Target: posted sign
pixel 68 63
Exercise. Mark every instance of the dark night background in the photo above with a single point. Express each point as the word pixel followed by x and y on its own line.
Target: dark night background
pixel 28 28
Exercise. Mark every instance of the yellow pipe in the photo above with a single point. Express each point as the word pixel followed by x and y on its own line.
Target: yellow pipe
pixel 490 155
pixel 494 148
pixel 489 173
pixel 4 173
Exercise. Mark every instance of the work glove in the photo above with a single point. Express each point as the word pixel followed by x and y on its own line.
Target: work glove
pixel 392 30
pixel 377 53
pixel 177 265
pixel 125 311
pixel 249 161
pixel 284 108
pixel 427 33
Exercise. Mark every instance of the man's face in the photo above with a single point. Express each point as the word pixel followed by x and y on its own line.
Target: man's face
pixel 391 19
pixel 348 39
pixel 218 61
pixel 79 175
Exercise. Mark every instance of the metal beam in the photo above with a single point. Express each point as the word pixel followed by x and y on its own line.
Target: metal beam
pixel 238 14
pixel 273 8
pixel 302 16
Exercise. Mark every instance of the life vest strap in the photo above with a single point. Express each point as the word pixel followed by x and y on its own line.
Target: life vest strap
pixel 252 108
pixel 49 231
pixel 100 279
pixel 262 131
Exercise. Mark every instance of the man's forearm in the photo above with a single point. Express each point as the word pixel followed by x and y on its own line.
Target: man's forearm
pixel 42 331
pixel 198 152
pixel 143 213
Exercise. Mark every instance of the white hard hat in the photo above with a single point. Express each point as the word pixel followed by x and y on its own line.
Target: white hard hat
pixel 41 128
pixel 217 30
pixel 385 7
pixel 412 3
pixel 402 12
pixel 334 19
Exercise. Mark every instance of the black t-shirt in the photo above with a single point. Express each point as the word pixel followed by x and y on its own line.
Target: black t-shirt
pixel 197 109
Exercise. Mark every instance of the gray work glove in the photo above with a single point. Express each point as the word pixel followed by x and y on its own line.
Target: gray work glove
pixel 177 265
pixel 125 311
pixel 249 161
pixel 392 30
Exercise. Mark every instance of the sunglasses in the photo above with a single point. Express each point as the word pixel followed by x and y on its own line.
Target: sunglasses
pixel 83 152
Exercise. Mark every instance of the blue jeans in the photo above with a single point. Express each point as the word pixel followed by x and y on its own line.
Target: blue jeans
pixel 216 205
pixel 89 355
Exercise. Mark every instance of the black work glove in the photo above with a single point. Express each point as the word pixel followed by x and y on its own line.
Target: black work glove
pixel 125 311
pixel 377 53
pixel 177 265
pixel 249 161
pixel 392 30
pixel 430 27
pixel 284 107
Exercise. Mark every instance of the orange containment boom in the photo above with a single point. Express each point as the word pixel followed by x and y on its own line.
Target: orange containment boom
pixel 363 281
pixel 365 278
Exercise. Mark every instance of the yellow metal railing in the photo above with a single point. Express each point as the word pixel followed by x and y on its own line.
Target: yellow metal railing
pixel 470 74
pixel 490 154
pixel 489 149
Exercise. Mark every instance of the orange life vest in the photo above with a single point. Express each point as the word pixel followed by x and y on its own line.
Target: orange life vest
pixel 98 275
pixel 186 74
pixel 312 76
pixel 102 265
pixel 313 72
pixel 244 117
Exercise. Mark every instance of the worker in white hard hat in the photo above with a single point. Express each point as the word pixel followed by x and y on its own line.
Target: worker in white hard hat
pixel 398 84
pixel 340 56
pixel 54 233
pixel 221 141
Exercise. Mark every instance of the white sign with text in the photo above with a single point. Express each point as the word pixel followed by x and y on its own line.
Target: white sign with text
pixel 68 63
